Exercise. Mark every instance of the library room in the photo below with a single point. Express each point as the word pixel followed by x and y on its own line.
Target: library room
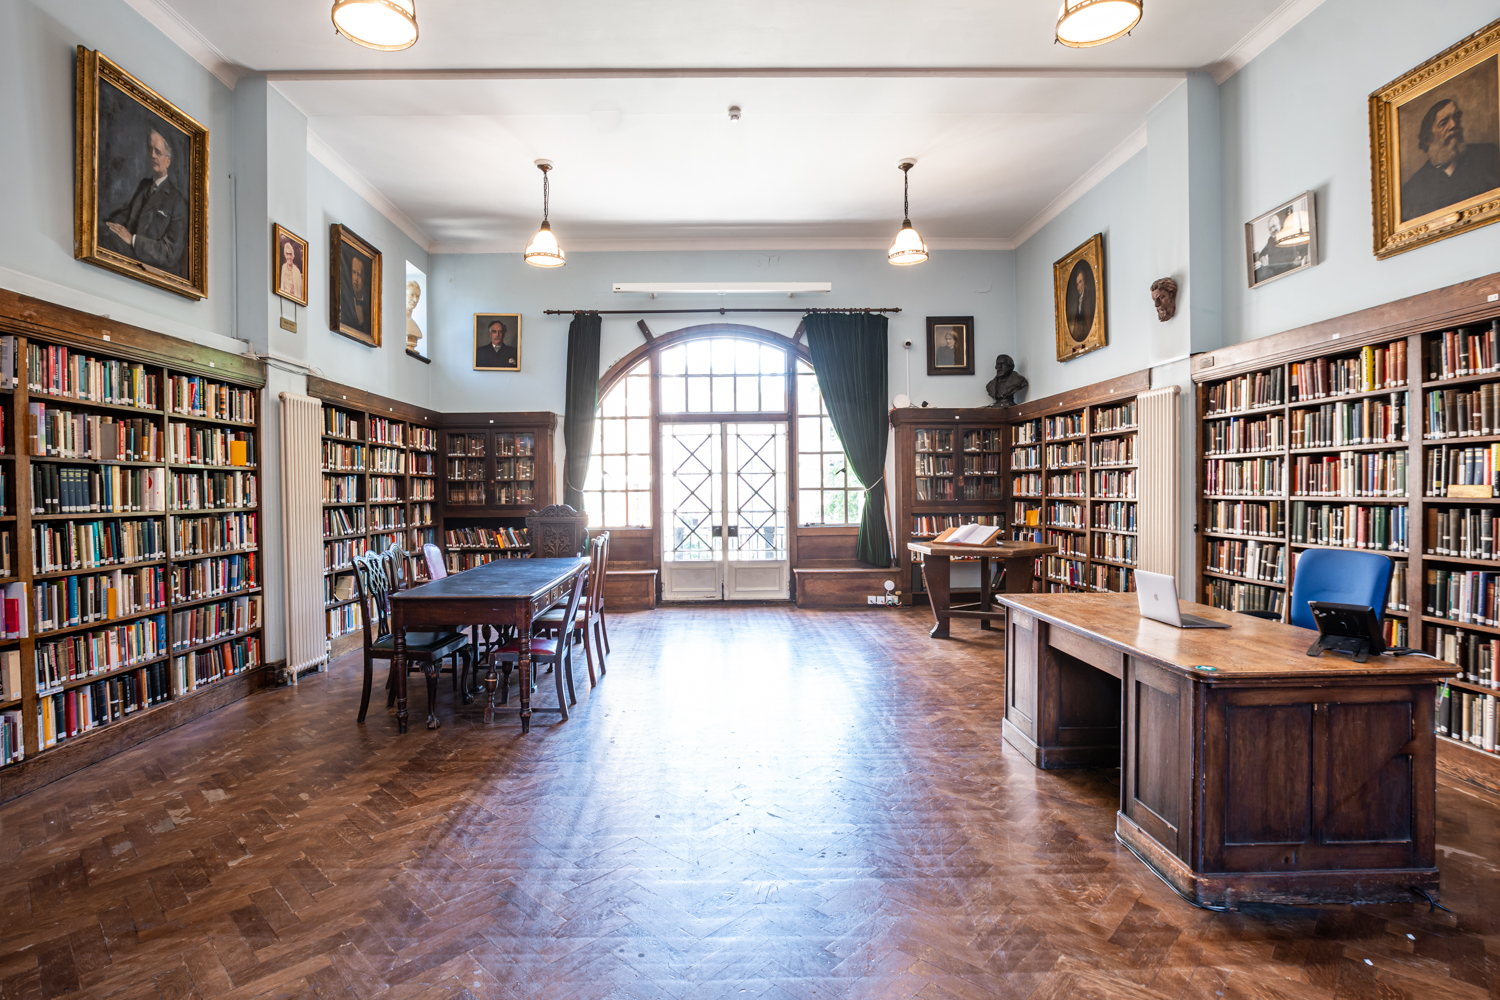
pixel 786 503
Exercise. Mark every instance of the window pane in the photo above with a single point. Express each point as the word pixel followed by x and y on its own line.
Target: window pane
pixel 639 476
pixel 835 469
pixel 614 472
pixel 673 394
pixel 809 434
pixel 697 395
pixel 808 398
pixel 614 436
pixel 831 440
pixel 833 507
pixel 613 403
pixel 773 392
pixel 746 357
pixel 809 469
pixel 772 359
pixel 697 353
pixel 638 437
pixel 856 505
pixel 638 509
pixel 721 350
pixel 809 510
pixel 614 509
pixel 723 393
pixel 672 361
pixel 594 479
pixel 593 505
pixel 745 395
pixel 638 395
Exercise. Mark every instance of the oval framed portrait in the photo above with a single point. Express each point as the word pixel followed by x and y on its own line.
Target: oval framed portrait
pixel 1078 297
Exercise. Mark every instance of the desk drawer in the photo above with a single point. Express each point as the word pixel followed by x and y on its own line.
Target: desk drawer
pixel 1095 654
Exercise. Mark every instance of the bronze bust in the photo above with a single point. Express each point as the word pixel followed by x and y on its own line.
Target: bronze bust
pixel 1007 383
pixel 1164 296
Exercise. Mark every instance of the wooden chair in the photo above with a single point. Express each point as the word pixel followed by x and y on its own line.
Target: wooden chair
pixel 394 562
pixel 557 531
pixel 555 653
pixel 589 619
pixel 436 568
pixel 373 586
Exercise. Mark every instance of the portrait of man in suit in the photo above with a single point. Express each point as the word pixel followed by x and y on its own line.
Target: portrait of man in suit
pixel 152 224
pixel 354 293
pixel 1449 150
pixel 1079 304
pixel 497 342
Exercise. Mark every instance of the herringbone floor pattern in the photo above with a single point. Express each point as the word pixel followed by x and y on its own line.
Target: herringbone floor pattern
pixel 755 803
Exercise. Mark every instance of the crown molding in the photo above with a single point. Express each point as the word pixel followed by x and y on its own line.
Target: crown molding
pixel 757 244
pixel 1134 143
pixel 344 171
pixel 1261 37
pixel 190 40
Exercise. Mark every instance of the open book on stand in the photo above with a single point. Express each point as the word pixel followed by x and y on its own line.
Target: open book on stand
pixel 970 534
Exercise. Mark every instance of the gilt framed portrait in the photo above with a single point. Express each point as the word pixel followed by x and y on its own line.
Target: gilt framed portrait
pixel 1078 300
pixel 1435 146
pixel 497 342
pixel 353 286
pixel 288 264
pixel 140 181
pixel 1283 241
pixel 950 345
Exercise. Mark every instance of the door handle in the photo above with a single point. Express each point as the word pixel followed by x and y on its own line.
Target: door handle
pixel 719 531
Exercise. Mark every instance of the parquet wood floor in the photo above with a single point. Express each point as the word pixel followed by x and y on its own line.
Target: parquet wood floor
pixel 755 803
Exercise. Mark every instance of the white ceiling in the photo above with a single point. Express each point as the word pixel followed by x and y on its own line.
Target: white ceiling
pixel 629 99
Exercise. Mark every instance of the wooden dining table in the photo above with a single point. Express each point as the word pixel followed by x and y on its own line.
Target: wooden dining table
pixel 499 593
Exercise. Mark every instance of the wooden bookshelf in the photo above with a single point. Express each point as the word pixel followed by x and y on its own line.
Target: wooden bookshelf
pixel 494 469
pixel 132 518
pixel 1334 436
pixel 381 473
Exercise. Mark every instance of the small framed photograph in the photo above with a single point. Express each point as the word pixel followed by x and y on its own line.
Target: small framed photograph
pixel 1078 298
pixel 1435 146
pixel 288 264
pixel 1282 241
pixel 497 342
pixel 354 286
pixel 140 198
pixel 950 345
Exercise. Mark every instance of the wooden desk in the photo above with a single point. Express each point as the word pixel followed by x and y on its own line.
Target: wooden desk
pixel 503 592
pixel 1020 562
pixel 1248 770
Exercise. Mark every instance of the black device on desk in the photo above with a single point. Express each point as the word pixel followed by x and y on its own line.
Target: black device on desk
pixel 1346 628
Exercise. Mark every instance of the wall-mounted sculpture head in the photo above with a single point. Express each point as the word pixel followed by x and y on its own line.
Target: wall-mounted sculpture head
pixel 1164 295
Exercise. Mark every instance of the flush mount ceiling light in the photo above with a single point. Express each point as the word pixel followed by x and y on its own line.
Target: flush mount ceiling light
pixel 544 251
pixel 387 25
pixel 908 247
pixel 1085 23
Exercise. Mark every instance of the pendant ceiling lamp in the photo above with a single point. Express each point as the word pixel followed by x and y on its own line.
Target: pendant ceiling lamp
pixel 387 25
pixel 1294 231
pixel 1085 23
pixel 908 247
pixel 544 251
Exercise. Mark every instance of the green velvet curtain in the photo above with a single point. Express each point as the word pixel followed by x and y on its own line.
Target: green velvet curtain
pixel 582 400
pixel 849 356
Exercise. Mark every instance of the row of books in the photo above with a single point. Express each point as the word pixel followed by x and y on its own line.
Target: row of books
pixel 1063 425
pixel 343 521
pixel 1026 514
pixel 196 396
pixel 518 468
pixel 386 431
pixel 422 465
pixel 218 576
pixel 423 489
pixel 1250 560
pixel 379 543
pixel 1350 474
pixel 340 555
pixel 1395 595
pixel 1115 485
pixel 1029 457
pixel 57 546
pixel 1237 435
pixel 340 423
pixel 1026 485
pixel 1373 368
pixel 932 465
pixel 66 714
pixel 85 598
pixel 1029 432
pixel 211 446
pixel 1377 527
pixel 1473 653
pixel 10 675
pixel 1467 716
pixel 457 562
pixel 1244 476
pixel 205 666
pixel 1064 455
pixel 1073 572
pixel 387 460
pixel 1450 465
pixel 58 433
pixel 1112 579
pixel 1455 413
pixel 206 622
pixel 512 444
pixel 1120 548
pixel 13 620
pixel 343 620
pixel 1114 516
pixel 59 371
pixel 1113 451
pixel 202 536
pixel 100 489
pixel 341 489
pixel 1457 353
pixel 12 748
pixel 468 494
pixel 1064 515
pixel 421 514
pixel 1068 484
pixel 340 457
pixel 387 518
pixel 1466 596
pixel 1247 517
pixel 1395 630
pixel 467 444
pixel 1246 392
pixel 1373 420
pixel 1121 417
pixel 212 490
pixel 424 438
pixel 1461 532
pixel 487 538
pixel 983 440
pixel 933 524
pixel 1232 595
pixel 1068 543
pixel 99 651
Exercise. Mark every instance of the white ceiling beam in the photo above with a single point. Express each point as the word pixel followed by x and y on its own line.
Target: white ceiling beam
pixel 720 72
pixel 723 243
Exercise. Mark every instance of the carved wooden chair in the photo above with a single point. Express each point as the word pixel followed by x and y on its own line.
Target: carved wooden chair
pixel 557 531
pixel 588 621
pixel 555 653
pixel 373 586
pixel 436 568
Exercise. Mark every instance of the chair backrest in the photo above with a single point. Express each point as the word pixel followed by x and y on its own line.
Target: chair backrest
pixel 395 567
pixel 598 564
pixel 373 587
pixel 1338 576
pixel 574 599
pixel 557 531
pixel 436 568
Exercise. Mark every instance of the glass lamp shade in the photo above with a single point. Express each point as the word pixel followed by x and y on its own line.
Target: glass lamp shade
pixel 1294 232
pixel 387 25
pixel 544 251
pixel 908 247
pixel 1084 23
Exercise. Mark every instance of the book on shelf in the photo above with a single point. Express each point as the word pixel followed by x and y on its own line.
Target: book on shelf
pixel 978 535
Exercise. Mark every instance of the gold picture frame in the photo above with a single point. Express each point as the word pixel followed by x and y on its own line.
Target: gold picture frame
pixel 288 270
pixel 504 356
pixel 1435 146
pixel 1078 300
pixel 353 286
pixel 140 181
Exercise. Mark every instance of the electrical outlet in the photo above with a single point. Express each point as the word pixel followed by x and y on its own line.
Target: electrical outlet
pixel 874 599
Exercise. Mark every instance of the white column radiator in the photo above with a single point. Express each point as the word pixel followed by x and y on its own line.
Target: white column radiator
pixel 302 532
pixel 1158 513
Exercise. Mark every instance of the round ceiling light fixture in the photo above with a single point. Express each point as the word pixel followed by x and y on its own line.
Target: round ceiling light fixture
pixel 1085 23
pixel 543 250
pixel 387 25
pixel 907 248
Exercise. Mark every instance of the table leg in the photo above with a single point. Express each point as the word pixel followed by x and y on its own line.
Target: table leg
pixel 398 664
pixel 984 591
pixel 430 671
pixel 523 645
pixel 935 573
pixel 1018 575
pixel 491 681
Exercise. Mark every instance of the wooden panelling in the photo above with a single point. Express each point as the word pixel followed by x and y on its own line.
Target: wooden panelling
pixel 629 589
pixel 380 406
pixel 827 545
pixel 1465 764
pixel 840 587
pixel 1111 390
pixel 1369 772
pixel 1268 739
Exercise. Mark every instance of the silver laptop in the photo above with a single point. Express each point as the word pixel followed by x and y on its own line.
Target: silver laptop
pixel 1157 594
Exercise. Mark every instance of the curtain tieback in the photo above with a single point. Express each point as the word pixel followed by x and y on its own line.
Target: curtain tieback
pixel 875 483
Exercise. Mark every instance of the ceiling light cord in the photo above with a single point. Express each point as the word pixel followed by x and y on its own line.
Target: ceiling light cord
pixel 906 195
pixel 546 193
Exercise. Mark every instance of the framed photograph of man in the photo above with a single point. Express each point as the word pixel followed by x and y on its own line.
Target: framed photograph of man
pixel 497 342
pixel 140 181
pixel 950 345
pixel 288 264
pixel 1435 146
pixel 1282 241
pixel 1078 298
pixel 353 286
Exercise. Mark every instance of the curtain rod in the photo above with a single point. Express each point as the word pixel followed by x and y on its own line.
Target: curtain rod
pixel 721 311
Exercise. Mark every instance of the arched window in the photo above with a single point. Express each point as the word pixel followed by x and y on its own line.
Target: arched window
pixel 617 489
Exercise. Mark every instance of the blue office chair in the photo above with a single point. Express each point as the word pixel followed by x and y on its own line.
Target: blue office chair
pixel 1339 576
